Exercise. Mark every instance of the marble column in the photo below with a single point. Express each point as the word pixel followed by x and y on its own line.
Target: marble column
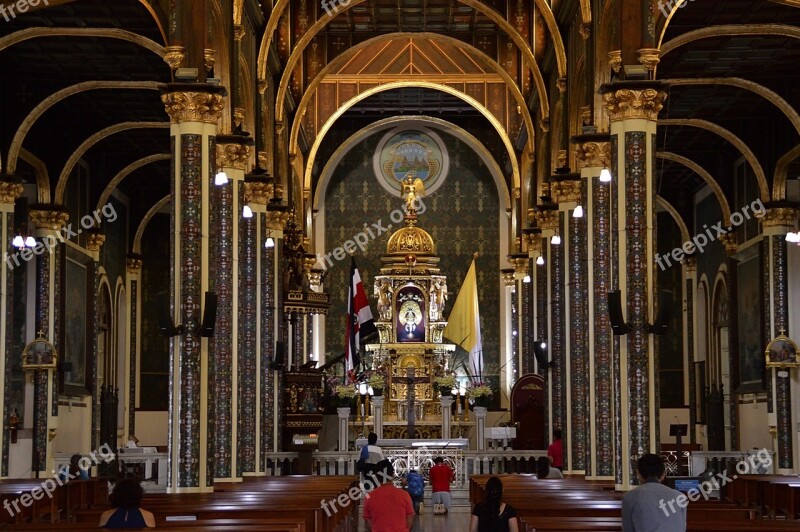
pixel 233 153
pixel 194 110
pixel 633 108
pixel 592 154
pixel 778 221
pixel 690 339
pixel 480 426
pixel 47 221
pixel 447 404
pixel 377 415
pixel 10 190
pixel 133 328
pixel 344 437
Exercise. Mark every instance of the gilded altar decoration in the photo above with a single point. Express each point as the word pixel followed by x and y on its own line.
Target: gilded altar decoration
pixel 419 152
pixel 39 354
pixel 781 352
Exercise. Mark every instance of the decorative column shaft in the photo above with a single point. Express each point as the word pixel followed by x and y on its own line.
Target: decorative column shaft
pixel 232 154
pixel 690 281
pixel 633 108
pixel 480 424
pixel 10 190
pixel 194 110
pixel 344 438
pixel 134 327
pixel 593 153
pixel 778 221
pixel 377 415
pixel 447 404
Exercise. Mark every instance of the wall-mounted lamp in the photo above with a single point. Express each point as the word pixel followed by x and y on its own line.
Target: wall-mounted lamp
pixel 793 238
pixel 578 212
pixel 526 279
pixel 247 212
pixel 221 178
pixel 23 242
pixel 605 175
pixel 556 240
pixel 270 242
pixel 540 261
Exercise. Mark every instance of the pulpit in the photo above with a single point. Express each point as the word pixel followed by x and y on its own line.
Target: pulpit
pixel 302 419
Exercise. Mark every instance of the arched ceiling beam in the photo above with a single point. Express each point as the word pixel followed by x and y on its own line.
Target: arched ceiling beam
pixel 86 145
pixel 763 187
pixel 110 33
pixel 729 30
pixel 544 7
pixel 586 11
pixel 125 172
pixel 699 170
pixel 782 172
pixel 42 176
pixel 748 85
pixel 343 58
pixel 667 206
pixel 137 239
pixel 56 97
pixel 156 18
pixel 297 53
pixel 312 154
pixel 389 123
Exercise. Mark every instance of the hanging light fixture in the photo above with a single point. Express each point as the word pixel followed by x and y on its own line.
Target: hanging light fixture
pixel 605 175
pixel 270 242
pixel 19 242
pixel 556 240
pixel 793 238
pixel 540 261
pixel 221 178
pixel 526 279
pixel 247 212
pixel 578 212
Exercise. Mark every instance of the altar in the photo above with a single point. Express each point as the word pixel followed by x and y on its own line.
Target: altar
pixel 411 353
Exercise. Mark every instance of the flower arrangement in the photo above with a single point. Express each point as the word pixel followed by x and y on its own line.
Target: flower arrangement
pixel 345 391
pixel 445 383
pixel 480 393
pixel 376 381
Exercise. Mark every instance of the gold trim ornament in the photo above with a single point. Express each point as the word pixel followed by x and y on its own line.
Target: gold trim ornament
pixel 39 354
pixel 781 352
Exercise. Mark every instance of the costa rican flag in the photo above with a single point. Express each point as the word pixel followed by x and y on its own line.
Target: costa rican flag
pixel 360 324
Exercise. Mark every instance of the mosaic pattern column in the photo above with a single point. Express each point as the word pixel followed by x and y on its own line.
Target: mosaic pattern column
pixel 690 281
pixel 233 152
pixel 593 153
pixel 134 328
pixel 194 110
pixel 10 190
pixel 633 108
pixel 778 221
pixel 47 222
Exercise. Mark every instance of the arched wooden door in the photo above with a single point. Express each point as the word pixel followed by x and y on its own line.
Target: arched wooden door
pixel 528 412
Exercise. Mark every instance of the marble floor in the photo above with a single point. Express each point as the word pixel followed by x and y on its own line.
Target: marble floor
pixel 455 521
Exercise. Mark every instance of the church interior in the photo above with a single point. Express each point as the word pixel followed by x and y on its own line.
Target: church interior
pixel 273 227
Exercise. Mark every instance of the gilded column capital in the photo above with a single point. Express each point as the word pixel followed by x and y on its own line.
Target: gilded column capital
pixel 10 189
pixel 209 58
pixel 731 243
pixel 238 116
pixel 258 191
pixel 233 151
pixel 586 115
pixel 262 86
pixel 263 159
pixel 566 190
pixel 277 218
pixel 134 264
pixel 585 30
pixel 174 56
pixel 193 102
pixel 238 32
pixel 590 153
pixel 520 262
pixel 561 83
pixel 649 57
pixel 690 263
pixel 533 241
pixel 625 100
pixel 615 60
pixel 48 217
pixel 315 279
pixel 507 275
pixel 546 219
pixel 780 217
pixel 95 240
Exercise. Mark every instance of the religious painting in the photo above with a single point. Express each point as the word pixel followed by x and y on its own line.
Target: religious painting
pixel 418 152
pixel 782 352
pixel 75 325
pixel 751 360
pixel 410 321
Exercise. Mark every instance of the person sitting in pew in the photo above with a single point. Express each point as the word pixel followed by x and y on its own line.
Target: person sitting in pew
pixel 543 469
pixel 125 499
pixel 73 470
pixel 645 509
pixel 493 515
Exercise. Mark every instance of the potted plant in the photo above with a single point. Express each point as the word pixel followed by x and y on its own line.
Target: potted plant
pixel 445 383
pixel 480 394
pixel 345 395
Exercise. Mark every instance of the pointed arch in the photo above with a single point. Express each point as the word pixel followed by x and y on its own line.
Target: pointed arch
pixel 122 174
pixel 703 173
pixel 667 206
pixel 782 172
pixel 137 239
pixel 108 33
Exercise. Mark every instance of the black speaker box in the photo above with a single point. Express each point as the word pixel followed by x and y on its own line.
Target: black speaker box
pixel 618 325
pixel 664 315
pixel 209 315
pixel 279 361
pixel 166 327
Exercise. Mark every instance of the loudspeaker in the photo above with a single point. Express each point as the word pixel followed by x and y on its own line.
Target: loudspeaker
pixel 664 310
pixel 209 316
pixel 541 355
pixel 618 325
pixel 166 327
pixel 279 361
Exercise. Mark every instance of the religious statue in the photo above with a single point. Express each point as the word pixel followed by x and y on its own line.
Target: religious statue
pixel 13 420
pixel 410 317
pixel 438 297
pixel 294 252
pixel 383 289
pixel 413 188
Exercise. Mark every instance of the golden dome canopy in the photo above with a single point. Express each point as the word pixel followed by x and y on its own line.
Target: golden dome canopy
pixel 410 240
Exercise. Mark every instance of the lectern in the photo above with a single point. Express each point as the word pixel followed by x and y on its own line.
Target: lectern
pixel 679 431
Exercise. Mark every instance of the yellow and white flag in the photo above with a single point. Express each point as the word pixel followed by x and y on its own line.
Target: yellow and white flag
pixel 464 323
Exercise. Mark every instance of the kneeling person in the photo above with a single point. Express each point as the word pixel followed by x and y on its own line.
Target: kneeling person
pixel 441 476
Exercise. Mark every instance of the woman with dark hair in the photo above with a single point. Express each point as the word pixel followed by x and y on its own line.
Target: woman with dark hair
pixel 543 469
pixel 493 515
pixel 125 499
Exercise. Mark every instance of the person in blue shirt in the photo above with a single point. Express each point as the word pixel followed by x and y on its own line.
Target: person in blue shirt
pixel 73 471
pixel 125 513
pixel 415 486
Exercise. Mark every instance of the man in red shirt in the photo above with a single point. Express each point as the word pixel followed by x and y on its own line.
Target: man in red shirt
pixel 441 476
pixel 386 508
pixel 556 451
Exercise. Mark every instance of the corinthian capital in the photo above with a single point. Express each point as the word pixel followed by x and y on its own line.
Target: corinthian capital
pixel 633 99
pixel 193 105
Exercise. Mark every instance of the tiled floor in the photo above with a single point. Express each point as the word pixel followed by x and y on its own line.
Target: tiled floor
pixel 455 521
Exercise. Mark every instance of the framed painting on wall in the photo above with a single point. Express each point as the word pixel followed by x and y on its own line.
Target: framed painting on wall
pixel 751 346
pixel 76 369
